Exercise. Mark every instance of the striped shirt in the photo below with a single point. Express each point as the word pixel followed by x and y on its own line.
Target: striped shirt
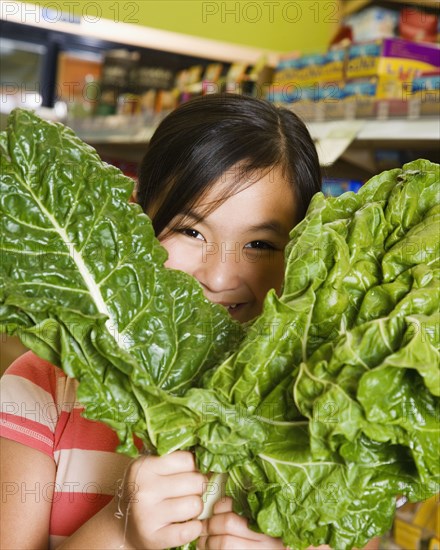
pixel 39 409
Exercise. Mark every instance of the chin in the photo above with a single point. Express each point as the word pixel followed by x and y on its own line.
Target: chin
pixel 245 313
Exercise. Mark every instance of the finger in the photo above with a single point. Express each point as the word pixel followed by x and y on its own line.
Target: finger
pixel 229 523
pixel 179 509
pixel 204 527
pixel 180 485
pixel 178 534
pixel 173 463
pixel 202 541
pixel 238 543
pixel 223 505
pixel 235 525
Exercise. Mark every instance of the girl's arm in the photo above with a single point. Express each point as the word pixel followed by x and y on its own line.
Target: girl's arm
pixel 160 492
pixel 28 478
pixel 28 481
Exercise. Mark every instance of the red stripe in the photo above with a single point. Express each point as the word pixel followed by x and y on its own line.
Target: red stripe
pixel 26 431
pixel 38 371
pixel 75 432
pixel 70 510
pixel 71 425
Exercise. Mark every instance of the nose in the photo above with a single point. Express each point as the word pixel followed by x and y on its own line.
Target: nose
pixel 219 267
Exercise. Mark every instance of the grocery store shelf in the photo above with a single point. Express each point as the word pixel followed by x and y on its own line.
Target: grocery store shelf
pixel 334 138
pixel 135 129
pixel 374 130
pixel 126 136
pixel 351 6
pixel 51 17
pixel 401 130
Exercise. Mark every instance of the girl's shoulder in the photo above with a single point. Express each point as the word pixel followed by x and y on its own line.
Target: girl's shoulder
pixel 35 395
pixel 35 376
pixel 31 367
pixel 40 408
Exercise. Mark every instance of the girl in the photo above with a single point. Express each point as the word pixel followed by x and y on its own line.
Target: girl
pixel 224 179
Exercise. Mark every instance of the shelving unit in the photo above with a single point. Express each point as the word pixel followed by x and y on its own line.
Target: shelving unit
pixel 344 141
pixel 354 141
pixel 133 35
pixel 350 140
pixel 350 6
pixel 420 136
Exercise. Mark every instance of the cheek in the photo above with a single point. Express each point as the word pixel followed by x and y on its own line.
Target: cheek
pixel 266 273
pixel 178 257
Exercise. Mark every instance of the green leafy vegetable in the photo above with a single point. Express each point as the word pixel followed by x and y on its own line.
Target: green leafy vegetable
pixel 83 283
pixel 328 407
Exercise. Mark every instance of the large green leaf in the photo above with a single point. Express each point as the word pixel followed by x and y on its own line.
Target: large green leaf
pixel 325 410
pixel 83 282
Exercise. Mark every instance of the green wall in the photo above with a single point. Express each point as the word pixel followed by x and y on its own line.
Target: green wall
pixel 280 25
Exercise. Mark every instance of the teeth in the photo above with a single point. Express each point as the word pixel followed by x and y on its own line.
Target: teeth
pixel 232 306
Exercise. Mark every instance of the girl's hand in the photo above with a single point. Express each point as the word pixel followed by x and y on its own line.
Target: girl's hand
pixel 160 493
pixel 228 531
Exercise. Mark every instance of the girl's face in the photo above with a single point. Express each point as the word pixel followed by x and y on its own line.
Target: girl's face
pixel 236 251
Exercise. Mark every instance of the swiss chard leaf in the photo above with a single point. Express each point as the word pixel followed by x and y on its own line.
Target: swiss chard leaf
pixel 83 282
pixel 325 410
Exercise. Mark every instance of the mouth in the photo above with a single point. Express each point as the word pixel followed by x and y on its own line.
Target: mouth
pixel 234 309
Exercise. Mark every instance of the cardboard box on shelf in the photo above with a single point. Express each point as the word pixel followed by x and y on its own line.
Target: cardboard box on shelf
pixel 418 526
pixel 418 25
pixel 425 94
pixel 311 82
pixel 372 23
pixel 394 62
pixel 361 97
pixel 334 66
pixel 116 78
pixel 333 187
pixel 309 69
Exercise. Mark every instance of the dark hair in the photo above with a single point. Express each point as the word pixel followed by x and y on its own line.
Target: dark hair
pixel 207 136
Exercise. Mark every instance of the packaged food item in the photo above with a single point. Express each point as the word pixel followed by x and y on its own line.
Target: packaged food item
pixel 116 79
pixel 393 62
pixel 418 25
pixel 372 23
pixel 425 93
pixel 309 78
pixel 418 525
pixel 334 65
pixel 333 187
pixel 128 104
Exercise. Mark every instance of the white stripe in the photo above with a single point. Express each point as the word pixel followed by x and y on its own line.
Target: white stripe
pixel 24 398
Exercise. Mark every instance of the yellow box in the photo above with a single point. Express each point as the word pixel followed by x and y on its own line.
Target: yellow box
pixel 427 515
pixel 407 535
pixel 394 62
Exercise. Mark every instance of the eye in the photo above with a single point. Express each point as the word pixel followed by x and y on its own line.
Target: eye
pixel 262 245
pixel 190 233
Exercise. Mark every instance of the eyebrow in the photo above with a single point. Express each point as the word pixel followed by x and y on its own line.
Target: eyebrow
pixel 191 214
pixel 273 226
